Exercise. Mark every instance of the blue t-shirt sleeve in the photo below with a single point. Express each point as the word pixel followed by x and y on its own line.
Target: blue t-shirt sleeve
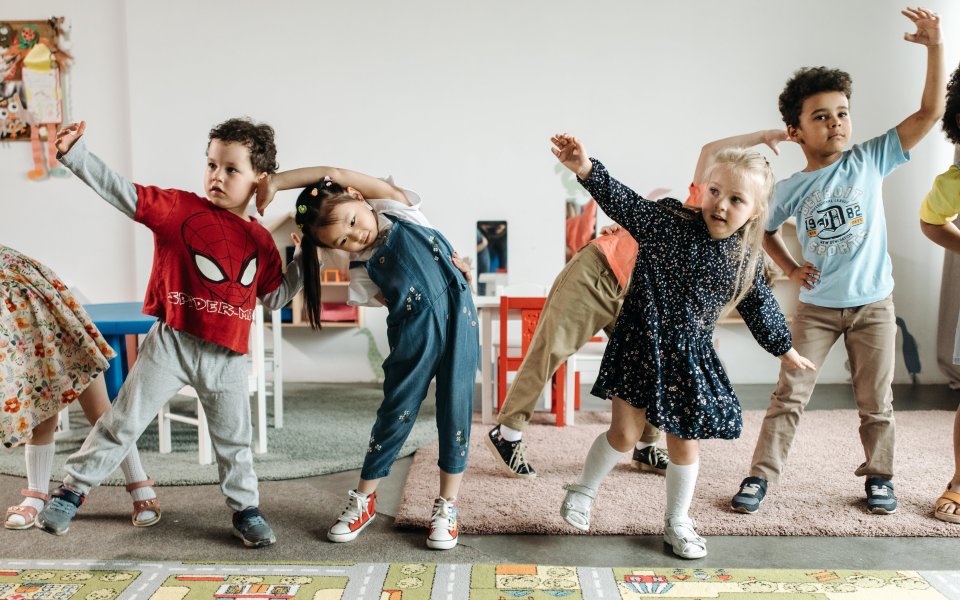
pixel 780 210
pixel 884 151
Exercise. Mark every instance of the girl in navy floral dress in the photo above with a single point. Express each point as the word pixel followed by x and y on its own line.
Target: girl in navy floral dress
pixel 660 364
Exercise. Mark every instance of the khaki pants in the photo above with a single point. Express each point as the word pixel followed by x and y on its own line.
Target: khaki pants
pixel 584 299
pixel 869 333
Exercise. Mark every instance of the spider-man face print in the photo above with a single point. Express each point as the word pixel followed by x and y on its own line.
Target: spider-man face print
pixel 223 254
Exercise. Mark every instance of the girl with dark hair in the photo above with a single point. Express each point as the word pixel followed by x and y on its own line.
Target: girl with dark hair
pixel 399 261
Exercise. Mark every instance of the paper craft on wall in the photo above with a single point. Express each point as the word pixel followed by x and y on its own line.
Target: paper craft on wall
pixel 33 64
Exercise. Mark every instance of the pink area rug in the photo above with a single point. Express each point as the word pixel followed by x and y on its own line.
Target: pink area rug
pixel 818 494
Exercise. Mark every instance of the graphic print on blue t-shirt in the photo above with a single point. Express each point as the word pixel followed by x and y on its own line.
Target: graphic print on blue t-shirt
pixel 833 220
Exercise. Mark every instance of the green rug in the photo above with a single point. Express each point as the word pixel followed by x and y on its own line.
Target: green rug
pixel 84 580
pixel 326 430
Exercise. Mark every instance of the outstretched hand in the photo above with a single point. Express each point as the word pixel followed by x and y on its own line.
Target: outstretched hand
pixel 569 151
pixel 928 26
pixel 773 137
pixel 794 361
pixel 69 135
pixel 266 190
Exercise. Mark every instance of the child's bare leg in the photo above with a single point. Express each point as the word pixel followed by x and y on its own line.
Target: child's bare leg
pixel 626 425
pixel 368 486
pixel 450 484
pixel 94 401
pixel 43 433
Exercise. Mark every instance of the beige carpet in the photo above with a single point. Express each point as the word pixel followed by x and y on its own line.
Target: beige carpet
pixel 818 494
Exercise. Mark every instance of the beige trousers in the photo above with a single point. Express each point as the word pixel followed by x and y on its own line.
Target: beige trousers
pixel 869 334
pixel 584 299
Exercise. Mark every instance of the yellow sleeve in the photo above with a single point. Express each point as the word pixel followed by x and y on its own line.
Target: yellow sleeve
pixel 943 202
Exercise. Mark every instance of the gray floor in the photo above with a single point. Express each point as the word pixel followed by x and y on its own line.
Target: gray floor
pixel 195 525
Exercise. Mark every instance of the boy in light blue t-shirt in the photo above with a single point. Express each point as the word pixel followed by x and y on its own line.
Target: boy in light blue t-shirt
pixel 846 277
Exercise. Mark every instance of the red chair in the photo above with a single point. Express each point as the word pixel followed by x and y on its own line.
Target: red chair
pixel 530 309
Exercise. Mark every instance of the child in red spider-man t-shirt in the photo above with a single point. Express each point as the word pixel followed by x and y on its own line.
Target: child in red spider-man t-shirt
pixel 211 263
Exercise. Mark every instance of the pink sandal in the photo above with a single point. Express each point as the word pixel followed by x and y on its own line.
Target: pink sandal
pixel 28 513
pixel 141 506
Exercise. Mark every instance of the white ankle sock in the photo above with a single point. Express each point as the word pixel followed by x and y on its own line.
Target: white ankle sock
pixel 681 483
pixel 642 445
pixel 133 472
pixel 601 458
pixel 39 462
pixel 511 435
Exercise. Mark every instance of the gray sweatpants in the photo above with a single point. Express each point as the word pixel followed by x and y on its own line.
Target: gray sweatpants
pixel 168 360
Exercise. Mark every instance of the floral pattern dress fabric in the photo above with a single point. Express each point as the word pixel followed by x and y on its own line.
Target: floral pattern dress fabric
pixel 50 350
pixel 661 356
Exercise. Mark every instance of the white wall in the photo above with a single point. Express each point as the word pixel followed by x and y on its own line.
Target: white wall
pixel 60 221
pixel 458 102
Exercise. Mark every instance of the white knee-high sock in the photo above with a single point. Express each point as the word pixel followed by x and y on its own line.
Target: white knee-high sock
pixel 39 462
pixel 601 458
pixel 132 469
pixel 681 482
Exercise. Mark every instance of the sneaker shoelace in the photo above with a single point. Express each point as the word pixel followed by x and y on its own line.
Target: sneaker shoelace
pixel 659 458
pixel 518 461
pixel 442 510
pixel 61 505
pixel 253 522
pixel 879 490
pixel 355 508
pixel 750 488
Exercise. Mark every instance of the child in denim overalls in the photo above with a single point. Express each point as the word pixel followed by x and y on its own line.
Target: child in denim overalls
pixel 398 261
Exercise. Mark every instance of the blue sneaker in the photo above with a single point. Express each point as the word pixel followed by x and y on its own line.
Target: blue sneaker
pixel 56 515
pixel 880 497
pixel 250 526
pixel 750 496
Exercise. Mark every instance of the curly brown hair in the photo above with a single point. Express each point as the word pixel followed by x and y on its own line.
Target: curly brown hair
pixel 805 83
pixel 952 111
pixel 258 138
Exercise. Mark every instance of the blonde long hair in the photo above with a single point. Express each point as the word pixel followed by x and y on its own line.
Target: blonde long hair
pixel 750 248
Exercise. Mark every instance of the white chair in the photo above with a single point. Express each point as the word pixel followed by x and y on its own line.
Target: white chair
pixel 590 354
pixel 273 366
pixel 256 382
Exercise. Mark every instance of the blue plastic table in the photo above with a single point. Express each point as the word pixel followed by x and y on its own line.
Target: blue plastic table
pixel 116 320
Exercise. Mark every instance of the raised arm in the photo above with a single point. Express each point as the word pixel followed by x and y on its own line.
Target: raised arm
pixel 770 137
pixel 91 169
pixel 625 206
pixel 932 102
pixel 369 187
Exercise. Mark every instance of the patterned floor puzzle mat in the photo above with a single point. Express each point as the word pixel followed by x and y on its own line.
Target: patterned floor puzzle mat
pixel 122 580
